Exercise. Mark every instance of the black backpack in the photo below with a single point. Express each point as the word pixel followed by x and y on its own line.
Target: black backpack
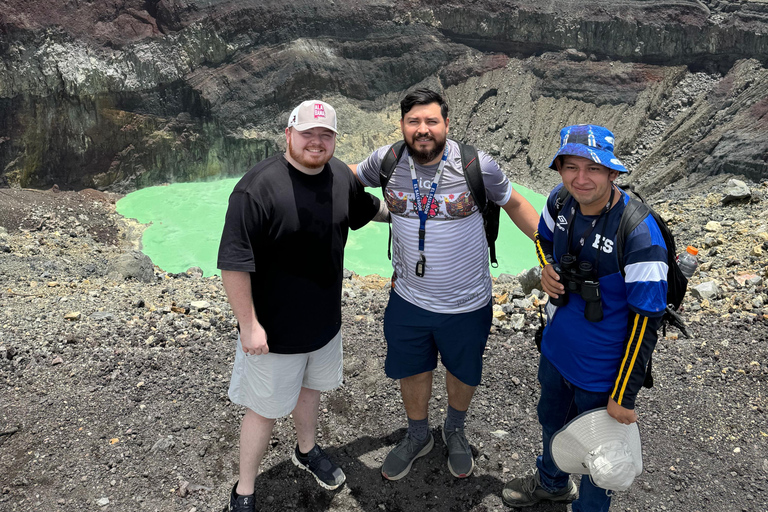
pixel 635 211
pixel 474 177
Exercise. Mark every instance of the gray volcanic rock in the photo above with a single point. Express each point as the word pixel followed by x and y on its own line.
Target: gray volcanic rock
pixel 134 264
pixel 108 96
pixel 721 133
pixel 668 32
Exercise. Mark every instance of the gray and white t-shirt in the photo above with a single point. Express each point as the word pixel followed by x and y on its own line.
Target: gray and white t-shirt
pixel 457 278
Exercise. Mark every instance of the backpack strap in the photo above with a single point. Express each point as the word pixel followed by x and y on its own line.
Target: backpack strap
pixel 562 197
pixel 473 175
pixel 635 212
pixel 387 167
pixel 389 162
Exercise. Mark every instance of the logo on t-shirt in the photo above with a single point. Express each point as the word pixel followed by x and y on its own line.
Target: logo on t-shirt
pixel 319 110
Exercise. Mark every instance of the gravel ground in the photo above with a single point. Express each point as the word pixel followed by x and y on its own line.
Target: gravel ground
pixel 114 390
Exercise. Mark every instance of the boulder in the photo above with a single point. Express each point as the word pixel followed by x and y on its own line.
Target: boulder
pixel 706 291
pixel 735 191
pixel 529 279
pixel 134 264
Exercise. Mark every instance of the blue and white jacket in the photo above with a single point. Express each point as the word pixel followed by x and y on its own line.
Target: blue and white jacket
pixel 610 355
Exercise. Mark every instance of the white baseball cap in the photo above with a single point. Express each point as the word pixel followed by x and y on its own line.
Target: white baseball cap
pixel 597 445
pixel 311 114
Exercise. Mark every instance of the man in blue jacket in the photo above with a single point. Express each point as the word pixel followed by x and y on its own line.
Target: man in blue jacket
pixel 603 314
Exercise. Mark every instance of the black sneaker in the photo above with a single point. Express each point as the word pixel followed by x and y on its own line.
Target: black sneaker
pixel 239 503
pixel 326 472
pixel 526 490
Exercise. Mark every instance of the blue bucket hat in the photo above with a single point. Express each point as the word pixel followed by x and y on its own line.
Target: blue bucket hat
pixel 591 142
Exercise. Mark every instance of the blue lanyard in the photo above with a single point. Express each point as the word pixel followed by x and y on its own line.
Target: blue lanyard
pixel 423 210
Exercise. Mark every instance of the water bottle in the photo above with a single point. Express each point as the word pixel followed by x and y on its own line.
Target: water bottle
pixel 688 262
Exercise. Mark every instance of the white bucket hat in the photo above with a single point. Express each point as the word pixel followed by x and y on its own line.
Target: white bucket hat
pixel 595 444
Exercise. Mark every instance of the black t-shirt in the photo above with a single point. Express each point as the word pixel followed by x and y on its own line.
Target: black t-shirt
pixel 288 230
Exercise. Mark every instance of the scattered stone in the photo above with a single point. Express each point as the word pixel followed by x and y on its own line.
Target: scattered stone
pixel 200 304
pixel 736 190
pixel 505 279
pixel 195 271
pixel 102 502
pixel 523 303
pixel 102 315
pixel 163 444
pixel 706 291
pixel 517 321
pixel 712 226
pixel 499 433
pixel 201 324
pixel 710 242
pixel 752 279
pixel 57 360
pixel 183 489
pixel 72 316
pixel 499 314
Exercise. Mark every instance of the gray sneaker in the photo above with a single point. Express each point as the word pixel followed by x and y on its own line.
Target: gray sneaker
pixel 400 459
pixel 460 460
pixel 526 490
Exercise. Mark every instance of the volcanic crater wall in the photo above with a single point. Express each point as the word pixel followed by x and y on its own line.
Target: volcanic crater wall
pixel 121 95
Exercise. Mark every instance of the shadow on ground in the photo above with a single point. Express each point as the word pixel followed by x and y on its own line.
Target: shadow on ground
pixel 429 485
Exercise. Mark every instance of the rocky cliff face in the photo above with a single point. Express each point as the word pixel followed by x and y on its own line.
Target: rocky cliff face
pixel 119 95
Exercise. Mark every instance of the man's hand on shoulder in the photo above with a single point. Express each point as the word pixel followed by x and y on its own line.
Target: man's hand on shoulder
pixel 621 414
pixel 254 340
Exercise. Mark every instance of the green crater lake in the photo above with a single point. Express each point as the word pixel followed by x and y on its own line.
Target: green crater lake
pixel 185 222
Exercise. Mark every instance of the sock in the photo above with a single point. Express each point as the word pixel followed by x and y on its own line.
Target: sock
pixel 301 453
pixel 238 495
pixel 455 419
pixel 418 429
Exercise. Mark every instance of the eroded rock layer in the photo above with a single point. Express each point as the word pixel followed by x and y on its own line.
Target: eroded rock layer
pixel 120 95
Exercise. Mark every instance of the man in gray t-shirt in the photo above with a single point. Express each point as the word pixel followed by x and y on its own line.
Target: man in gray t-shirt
pixel 441 297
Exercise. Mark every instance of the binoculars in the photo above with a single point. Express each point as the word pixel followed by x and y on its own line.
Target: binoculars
pixel 579 277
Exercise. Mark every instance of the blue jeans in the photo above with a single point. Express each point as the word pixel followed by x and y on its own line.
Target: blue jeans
pixel 560 402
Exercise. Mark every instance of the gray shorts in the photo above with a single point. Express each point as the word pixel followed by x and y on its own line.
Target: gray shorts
pixel 269 384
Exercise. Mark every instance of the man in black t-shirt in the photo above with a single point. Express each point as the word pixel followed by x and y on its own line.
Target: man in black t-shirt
pixel 284 235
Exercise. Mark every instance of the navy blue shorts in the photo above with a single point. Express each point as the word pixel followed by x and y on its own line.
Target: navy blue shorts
pixel 415 336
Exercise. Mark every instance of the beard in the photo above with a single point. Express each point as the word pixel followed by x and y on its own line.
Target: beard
pixel 424 157
pixel 309 162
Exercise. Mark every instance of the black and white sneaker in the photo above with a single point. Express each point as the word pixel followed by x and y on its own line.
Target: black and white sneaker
pixel 326 472
pixel 239 503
